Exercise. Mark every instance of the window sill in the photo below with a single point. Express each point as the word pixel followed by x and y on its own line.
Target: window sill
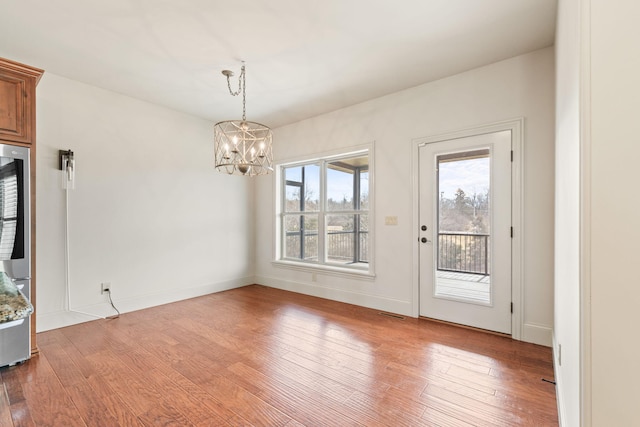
pixel 325 269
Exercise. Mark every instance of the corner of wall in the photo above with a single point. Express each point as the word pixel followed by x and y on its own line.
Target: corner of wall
pixel 63 318
pixel 375 302
pixel 537 334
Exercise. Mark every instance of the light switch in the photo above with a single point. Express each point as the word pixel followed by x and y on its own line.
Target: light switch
pixel 390 220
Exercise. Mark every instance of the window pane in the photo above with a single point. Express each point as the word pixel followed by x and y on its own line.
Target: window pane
pixel 301 237
pixel 340 186
pixel 347 239
pixel 364 189
pixel 302 188
pixel 292 200
pixel 348 184
pixel 312 188
pixel 363 255
pixel 293 174
pixel 463 185
pixel 341 238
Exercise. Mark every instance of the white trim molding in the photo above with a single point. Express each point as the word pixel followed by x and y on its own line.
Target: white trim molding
pixel 62 318
pixel 585 214
pixel 322 266
pixel 315 289
pixel 559 385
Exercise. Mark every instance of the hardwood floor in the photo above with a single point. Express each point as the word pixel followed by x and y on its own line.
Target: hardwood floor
pixel 265 357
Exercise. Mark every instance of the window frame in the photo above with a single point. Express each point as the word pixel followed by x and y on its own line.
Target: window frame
pixel 322 263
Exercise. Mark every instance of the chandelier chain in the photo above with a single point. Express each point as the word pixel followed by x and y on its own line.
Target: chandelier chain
pixel 244 95
pixel 242 84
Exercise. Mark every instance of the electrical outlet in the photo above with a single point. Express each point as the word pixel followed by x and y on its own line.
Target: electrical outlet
pixel 105 287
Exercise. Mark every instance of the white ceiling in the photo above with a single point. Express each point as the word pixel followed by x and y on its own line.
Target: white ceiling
pixel 303 57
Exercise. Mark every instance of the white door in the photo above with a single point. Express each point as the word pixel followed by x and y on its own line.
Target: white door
pixel 465 230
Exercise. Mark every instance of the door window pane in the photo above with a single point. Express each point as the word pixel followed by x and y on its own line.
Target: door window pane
pixel 464 225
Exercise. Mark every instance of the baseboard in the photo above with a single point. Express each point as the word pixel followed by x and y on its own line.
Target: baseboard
pixel 558 378
pixel 537 334
pixel 60 319
pixel 336 294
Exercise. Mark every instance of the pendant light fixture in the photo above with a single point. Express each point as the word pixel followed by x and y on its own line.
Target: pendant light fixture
pixel 242 147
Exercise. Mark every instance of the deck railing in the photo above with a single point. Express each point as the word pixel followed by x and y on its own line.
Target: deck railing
pixel 340 245
pixel 463 252
pixel 458 252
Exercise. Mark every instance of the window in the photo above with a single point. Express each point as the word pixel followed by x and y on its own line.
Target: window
pixel 324 217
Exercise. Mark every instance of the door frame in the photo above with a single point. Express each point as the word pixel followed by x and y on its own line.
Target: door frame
pixel 516 126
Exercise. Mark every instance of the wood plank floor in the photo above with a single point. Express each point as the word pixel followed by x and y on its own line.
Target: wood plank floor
pixel 265 357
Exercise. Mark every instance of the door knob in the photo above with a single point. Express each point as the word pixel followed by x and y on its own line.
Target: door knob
pixel 423 228
pixel 424 240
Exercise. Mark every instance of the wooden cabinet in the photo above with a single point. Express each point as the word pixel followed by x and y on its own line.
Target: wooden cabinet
pixel 18 127
pixel 18 102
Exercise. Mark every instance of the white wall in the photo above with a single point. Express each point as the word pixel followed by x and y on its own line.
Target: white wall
pixel 149 213
pixel 615 207
pixel 597 292
pixel 521 86
pixel 567 247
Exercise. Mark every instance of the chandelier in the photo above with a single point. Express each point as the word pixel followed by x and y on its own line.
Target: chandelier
pixel 242 147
